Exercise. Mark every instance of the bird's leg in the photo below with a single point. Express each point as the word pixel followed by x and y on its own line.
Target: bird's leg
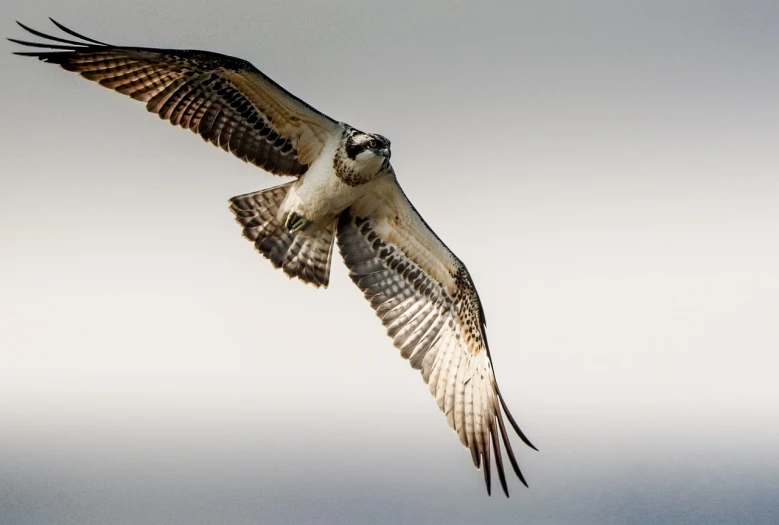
pixel 296 223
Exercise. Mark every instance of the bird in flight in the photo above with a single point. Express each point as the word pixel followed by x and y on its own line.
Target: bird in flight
pixel 345 189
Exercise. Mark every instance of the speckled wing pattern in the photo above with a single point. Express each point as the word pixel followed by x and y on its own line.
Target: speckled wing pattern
pixel 426 300
pixel 224 99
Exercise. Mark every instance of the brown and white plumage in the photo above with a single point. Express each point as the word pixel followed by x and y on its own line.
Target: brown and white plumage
pixel 425 298
pixel 224 99
pixel 345 188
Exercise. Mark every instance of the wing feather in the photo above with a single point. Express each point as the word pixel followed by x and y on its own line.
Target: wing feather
pixel 426 300
pixel 226 100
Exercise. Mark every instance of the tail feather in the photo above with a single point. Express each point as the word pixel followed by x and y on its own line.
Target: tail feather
pixel 306 254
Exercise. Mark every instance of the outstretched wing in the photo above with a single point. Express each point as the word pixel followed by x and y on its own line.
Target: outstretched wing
pixel 224 99
pixel 425 298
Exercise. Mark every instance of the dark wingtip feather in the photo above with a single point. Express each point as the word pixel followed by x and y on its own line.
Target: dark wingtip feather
pixel 55 57
pixel 60 52
pixel 514 424
pixel 509 450
pixel 77 35
pixel 49 37
pixel 44 46
pixel 487 466
pixel 499 459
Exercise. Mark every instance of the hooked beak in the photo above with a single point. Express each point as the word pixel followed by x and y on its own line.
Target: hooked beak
pixel 385 152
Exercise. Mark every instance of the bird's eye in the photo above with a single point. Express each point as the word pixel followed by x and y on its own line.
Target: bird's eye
pixel 372 144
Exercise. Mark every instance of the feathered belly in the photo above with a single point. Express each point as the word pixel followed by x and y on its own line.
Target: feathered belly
pixel 320 196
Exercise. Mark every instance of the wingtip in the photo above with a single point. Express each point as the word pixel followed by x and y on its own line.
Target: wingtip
pixel 487 475
pixel 26 28
pixel 498 458
pixel 510 451
pixel 512 421
pixel 77 35
pixel 525 439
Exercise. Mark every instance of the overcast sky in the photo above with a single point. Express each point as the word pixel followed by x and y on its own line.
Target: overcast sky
pixel 609 172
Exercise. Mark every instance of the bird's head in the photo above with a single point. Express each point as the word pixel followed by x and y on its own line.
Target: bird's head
pixel 370 152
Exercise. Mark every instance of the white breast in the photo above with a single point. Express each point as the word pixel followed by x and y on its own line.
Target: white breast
pixel 320 194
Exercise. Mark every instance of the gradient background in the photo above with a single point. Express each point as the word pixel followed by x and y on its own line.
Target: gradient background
pixel 608 170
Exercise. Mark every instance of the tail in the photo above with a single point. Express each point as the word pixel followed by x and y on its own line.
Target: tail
pixel 305 254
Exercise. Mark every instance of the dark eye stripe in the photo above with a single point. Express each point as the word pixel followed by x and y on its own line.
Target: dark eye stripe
pixel 358 141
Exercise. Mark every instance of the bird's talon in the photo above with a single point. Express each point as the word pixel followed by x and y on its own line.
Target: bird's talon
pixel 296 223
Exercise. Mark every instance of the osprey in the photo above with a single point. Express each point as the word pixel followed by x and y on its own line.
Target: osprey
pixel 344 188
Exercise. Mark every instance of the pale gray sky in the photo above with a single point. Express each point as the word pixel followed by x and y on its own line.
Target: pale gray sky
pixel 607 170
